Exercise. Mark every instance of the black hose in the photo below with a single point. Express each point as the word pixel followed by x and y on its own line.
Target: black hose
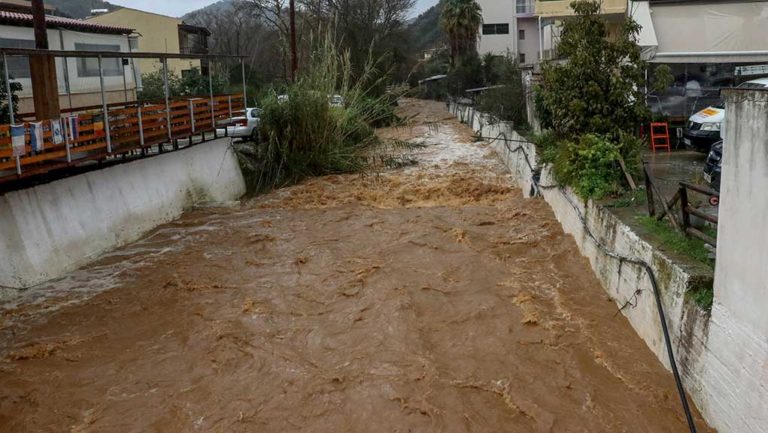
pixel 622 259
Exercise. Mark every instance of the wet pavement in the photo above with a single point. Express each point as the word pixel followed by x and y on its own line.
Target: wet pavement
pixel 432 298
pixel 669 169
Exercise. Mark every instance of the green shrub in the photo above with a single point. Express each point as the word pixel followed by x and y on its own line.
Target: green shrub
pixel 506 102
pixel 304 136
pixel 589 166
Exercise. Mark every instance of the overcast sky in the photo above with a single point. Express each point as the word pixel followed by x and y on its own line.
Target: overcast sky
pixel 177 8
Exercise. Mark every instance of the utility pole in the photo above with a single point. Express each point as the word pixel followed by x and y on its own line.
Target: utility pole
pixel 45 88
pixel 294 59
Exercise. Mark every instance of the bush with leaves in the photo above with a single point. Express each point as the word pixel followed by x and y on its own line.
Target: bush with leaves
pixel 192 83
pixel 303 136
pixel 592 102
pixel 589 165
pixel 507 101
pixel 599 88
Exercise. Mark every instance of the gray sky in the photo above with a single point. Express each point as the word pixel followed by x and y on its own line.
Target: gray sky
pixel 178 8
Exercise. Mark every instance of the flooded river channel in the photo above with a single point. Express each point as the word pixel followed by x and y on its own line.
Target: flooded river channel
pixel 430 298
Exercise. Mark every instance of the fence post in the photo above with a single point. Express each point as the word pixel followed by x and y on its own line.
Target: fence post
pixel 104 106
pixel 192 117
pixel 649 192
pixel 210 94
pixel 10 105
pixel 245 90
pixel 684 206
pixel 66 141
pixel 141 126
pixel 167 103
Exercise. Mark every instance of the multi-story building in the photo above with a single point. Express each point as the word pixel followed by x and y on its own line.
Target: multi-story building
pixel 161 34
pixel 78 78
pixel 551 12
pixel 510 26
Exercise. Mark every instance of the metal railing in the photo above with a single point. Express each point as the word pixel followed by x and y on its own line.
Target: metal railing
pixel 31 147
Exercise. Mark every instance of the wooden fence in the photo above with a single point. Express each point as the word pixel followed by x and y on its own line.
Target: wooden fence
pixel 88 135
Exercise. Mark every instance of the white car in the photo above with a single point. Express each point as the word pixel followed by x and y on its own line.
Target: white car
pixel 246 127
pixel 704 128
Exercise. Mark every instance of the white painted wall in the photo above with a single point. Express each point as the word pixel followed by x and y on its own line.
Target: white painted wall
pixel 736 374
pixel 77 84
pixel 498 12
pixel 51 229
pixel 723 354
pixel 530 45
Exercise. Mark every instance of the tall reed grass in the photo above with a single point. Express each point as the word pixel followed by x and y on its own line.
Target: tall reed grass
pixel 304 136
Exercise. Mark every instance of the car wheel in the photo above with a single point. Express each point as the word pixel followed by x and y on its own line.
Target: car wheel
pixel 254 135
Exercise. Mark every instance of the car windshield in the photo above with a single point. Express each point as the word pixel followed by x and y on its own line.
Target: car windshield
pixel 255 113
pixel 750 85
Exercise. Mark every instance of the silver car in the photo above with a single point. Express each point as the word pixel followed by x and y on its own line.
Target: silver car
pixel 246 127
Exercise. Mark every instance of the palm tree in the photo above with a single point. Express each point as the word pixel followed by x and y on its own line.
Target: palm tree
pixel 461 21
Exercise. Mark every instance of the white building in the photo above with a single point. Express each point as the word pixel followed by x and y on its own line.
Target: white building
pixel 78 78
pixel 510 26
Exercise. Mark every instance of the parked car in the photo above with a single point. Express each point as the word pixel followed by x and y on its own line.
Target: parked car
pixel 703 128
pixel 246 127
pixel 712 167
pixel 336 101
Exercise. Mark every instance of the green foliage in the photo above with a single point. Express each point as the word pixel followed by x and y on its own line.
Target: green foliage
pixel 662 78
pixel 5 114
pixel 676 241
pixel 304 136
pixel 461 21
pixel 466 74
pixel 599 89
pixel 589 166
pixel 630 199
pixel 507 102
pixel 193 83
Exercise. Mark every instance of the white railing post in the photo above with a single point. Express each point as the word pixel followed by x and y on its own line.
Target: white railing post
pixel 192 117
pixel 10 105
pixel 141 126
pixel 104 106
pixel 167 103
pixel 66 130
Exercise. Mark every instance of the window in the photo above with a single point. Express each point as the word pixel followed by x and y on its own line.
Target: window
pixel 521 56
pixel 524 6
pixel 18 66
pixel 496 29
pixel 521 35
pixel 89 66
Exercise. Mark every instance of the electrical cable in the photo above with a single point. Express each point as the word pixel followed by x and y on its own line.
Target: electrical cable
pixel 535 178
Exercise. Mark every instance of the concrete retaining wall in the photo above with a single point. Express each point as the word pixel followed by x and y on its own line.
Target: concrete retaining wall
pixel 736 360
pixel 628 285
pixel 54 228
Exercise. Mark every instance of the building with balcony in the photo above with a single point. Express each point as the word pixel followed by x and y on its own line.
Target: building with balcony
pixel 161 34
pixel 78 78
pixel 509 26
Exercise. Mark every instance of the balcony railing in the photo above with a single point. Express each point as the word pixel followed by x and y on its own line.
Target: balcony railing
pixel 109 133
pixel 86 134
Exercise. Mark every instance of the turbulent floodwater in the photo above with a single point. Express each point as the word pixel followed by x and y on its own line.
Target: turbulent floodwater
pixel 426 299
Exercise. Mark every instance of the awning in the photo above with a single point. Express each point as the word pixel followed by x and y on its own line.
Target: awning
pixel 641 13
pixel 711 32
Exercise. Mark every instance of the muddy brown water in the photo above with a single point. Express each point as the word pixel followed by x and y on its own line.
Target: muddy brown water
pixel 426 299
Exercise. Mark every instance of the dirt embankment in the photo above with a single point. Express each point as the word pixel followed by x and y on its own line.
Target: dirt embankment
pixel 426 299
